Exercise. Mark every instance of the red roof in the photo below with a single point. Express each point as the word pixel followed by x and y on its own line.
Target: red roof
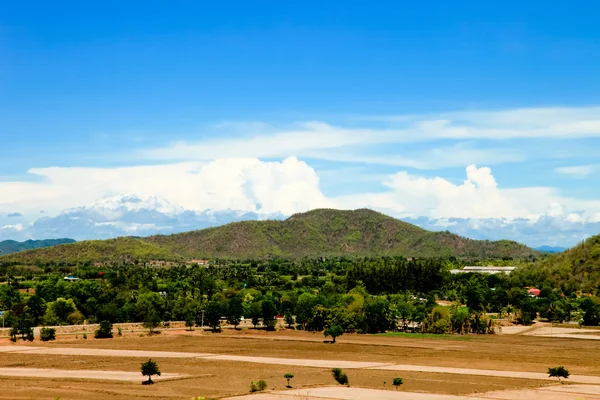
pixel 534 291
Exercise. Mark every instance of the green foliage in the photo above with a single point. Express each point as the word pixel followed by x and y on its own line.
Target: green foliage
pixel 258 386
pixel 558 372
pixel 47 334
pixel 334 331
pixel 339 376
pixel 269 312
pixel 104 331
pixel 235 311
pixel 288 377
pixel 149 369
pixel 151 322
pixel 23 326
pixel 289 319
pixel 212 314
pixel 398 382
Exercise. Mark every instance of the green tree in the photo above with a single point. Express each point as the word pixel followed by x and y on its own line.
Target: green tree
pixel 190 321
pixel 397 382
pixel 235 310
pixel 269 312
pixel 334 331
pixel 558 372
pixel 289 319
pixel 289 377
pixel 151 322
pixel 104 331
pixel 149 369
pixel 212 314
pixel 36 307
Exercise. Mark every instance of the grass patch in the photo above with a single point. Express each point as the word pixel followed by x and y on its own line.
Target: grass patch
pixel 425 336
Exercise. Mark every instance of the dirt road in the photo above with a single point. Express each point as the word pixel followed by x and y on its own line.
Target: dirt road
pixel 81 374
pixel 298 362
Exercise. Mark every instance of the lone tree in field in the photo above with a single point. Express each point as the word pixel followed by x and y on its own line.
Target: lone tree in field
pixel 288 376
pixel 190 321
pixel 150 368
pixel 334 331
pixel 558 372
pixel 151 322
pixel 397 382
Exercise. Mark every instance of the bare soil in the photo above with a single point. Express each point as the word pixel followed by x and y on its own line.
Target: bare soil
pixel 221 378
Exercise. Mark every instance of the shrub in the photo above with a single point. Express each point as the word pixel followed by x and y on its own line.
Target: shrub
pixel 47 334
pixel 119 331
pixel 85 335
pixel 397 382
pixel 105 330
pixel 558 372
pixel 258 386
pixel 339 376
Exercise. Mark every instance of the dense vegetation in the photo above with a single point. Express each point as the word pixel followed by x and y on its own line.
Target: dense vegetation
pixel 318 233
pixel 12 246
pixel 370 295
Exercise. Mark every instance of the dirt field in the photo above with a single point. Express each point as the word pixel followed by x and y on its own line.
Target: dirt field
pixel 222 377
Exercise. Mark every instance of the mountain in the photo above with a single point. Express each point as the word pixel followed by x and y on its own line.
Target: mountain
pixel 577 267
pixel 550 249
pixel 321 232
pixel 12 246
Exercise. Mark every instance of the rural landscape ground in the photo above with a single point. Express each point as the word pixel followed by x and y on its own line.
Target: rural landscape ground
pixel 222 365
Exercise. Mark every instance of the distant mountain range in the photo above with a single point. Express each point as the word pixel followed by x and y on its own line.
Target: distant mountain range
pixel 12 246
pixel 322 232
pixel 550 249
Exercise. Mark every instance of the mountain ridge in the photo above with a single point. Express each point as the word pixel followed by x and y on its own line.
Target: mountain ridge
pixel 13 246
pixel 319 232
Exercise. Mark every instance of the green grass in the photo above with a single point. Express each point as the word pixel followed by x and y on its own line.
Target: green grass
pixel 425 336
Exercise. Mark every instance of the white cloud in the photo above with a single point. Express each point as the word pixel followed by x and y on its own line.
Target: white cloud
pixel 323 140
pixel 15 227
pixel 246 184
pixel 578 171
pixel 477 197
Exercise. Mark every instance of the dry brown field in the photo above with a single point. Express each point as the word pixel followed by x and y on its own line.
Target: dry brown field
pixel 220 379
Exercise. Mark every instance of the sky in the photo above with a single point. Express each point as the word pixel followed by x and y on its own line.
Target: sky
pixel 134 118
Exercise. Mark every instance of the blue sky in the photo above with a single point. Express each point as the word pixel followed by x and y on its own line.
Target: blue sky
pixel 269 108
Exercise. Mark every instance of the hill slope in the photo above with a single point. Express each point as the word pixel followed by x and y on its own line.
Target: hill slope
pixel 327 232
pixel 578 266
pixel 11 246
pixel 320 232
pixel 89 251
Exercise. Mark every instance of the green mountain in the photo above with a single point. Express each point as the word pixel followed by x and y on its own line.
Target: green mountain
pixel 577 267
pixel 11 246
pixel 320 232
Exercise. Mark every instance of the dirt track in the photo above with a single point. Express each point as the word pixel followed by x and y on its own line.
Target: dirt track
pixel 300 362
pixel 81 374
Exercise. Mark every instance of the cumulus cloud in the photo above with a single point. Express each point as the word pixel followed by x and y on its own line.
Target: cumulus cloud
pixel 478 197
pixel 246 184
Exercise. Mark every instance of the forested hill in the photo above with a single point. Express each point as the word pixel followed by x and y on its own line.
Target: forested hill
pixel 316 233
pixel 326 232
pixel 576 268
pixel 12 246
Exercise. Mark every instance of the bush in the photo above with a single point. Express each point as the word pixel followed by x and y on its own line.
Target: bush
pixel 85 335
pixel 558 372
pixel 339 376
pixel 105 330
pixel 47 334
pixel 258 386
pixel 397 382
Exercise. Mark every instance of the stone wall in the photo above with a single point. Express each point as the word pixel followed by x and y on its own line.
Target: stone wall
pixel 91 328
